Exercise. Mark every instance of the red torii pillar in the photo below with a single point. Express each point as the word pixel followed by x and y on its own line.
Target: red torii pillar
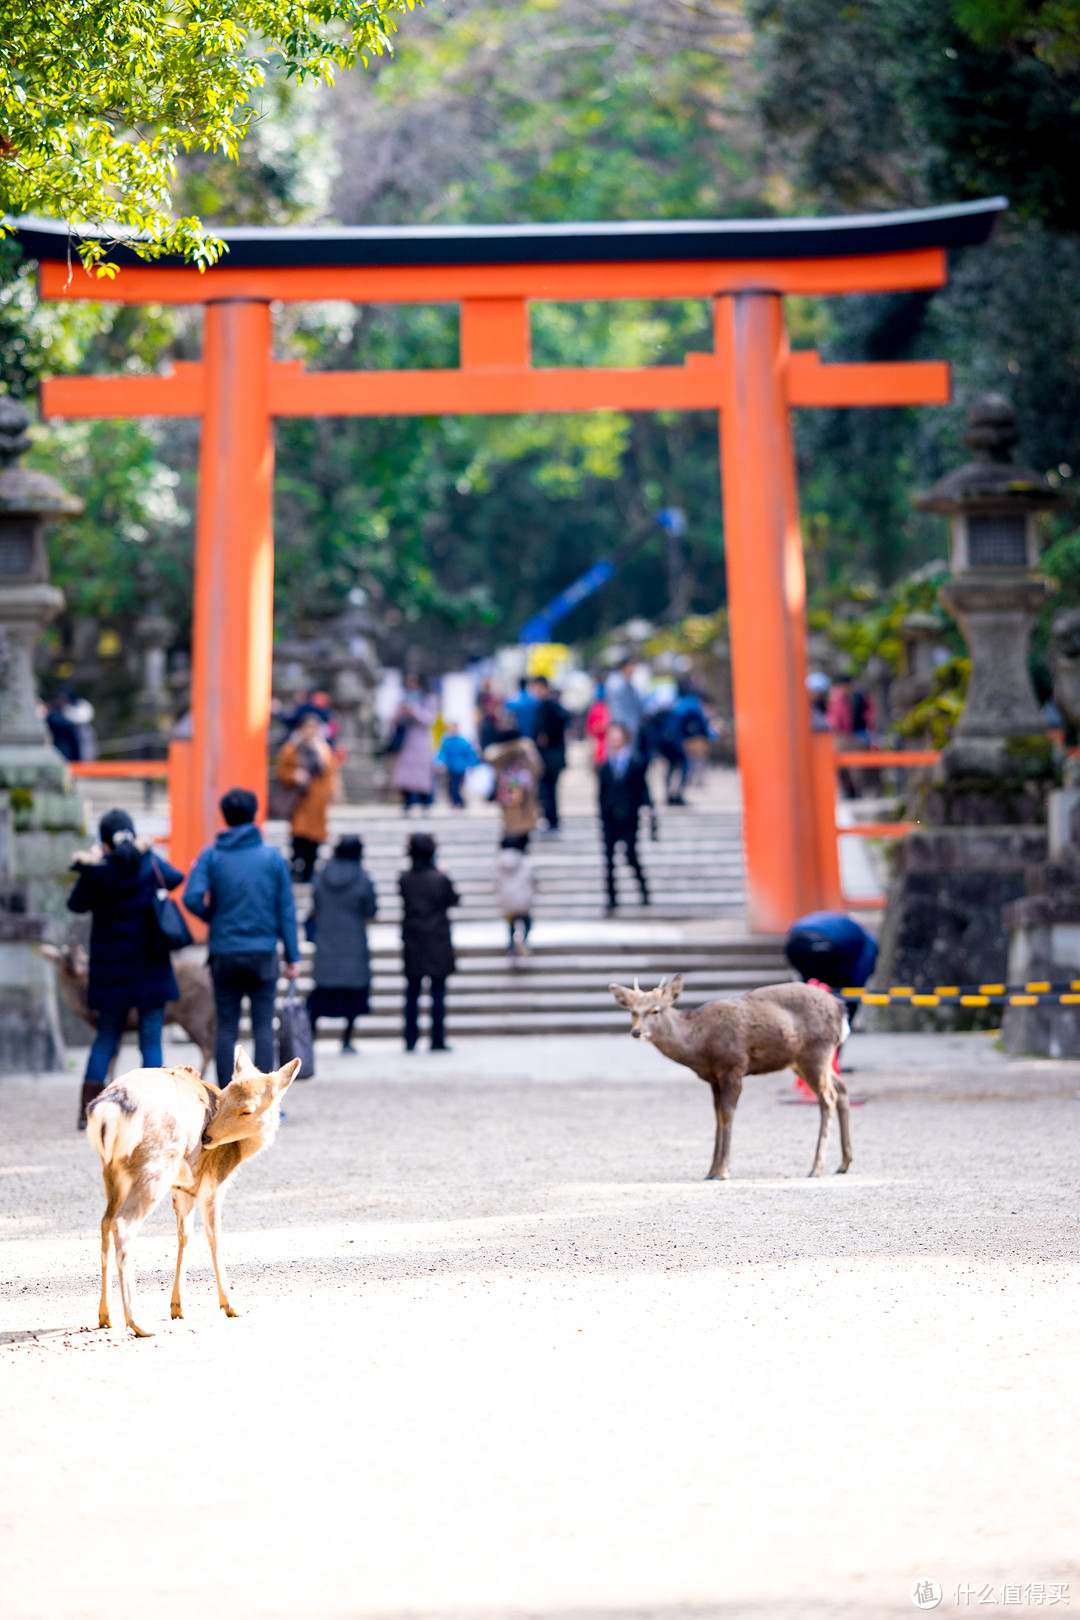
pixel 751 379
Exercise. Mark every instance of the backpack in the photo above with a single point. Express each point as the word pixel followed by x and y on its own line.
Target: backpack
pixel 513 786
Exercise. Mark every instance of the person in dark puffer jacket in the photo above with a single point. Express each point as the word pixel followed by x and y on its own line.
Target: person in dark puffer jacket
pixel 130 966
pixel 241 887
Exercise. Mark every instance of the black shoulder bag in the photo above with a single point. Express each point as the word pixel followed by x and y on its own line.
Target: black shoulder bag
pixel 173 931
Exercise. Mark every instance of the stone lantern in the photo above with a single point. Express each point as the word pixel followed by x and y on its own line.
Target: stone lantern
pixel 42 820
pixel 982 819
pixel 993 505
pixel 1045 922
pixel 28 500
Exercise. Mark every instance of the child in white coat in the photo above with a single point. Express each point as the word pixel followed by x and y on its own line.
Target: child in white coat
pixel 515 885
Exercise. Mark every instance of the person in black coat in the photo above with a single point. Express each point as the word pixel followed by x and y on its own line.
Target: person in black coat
pixel 427 895
pixel 130 965
pixel 624 791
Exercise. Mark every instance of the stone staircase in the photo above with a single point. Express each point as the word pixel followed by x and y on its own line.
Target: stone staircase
pixel 694 926
pixel 562 989
pixel 694 869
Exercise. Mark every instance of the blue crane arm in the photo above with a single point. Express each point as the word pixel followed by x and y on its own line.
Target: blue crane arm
pixel 541 624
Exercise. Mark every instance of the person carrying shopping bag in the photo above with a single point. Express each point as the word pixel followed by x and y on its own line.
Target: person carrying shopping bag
pixel 240 886
pixel 130 964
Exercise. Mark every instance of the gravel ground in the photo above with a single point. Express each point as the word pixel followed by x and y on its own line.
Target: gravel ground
pixel 505 1355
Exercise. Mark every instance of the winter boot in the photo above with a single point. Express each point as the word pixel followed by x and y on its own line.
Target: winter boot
pixel 90 1090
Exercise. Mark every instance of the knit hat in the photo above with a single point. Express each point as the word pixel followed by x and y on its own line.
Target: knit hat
pixel 113 827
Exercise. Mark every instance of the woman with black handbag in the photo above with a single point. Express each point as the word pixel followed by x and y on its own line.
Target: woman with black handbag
pixel 123 887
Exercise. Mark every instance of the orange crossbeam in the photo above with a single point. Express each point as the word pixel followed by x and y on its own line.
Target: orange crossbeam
pixel 494 389
pixel 155 769
pixel 880 758
pixel 437 284
pixel 878 829
pixel 875 382
pixel 177 393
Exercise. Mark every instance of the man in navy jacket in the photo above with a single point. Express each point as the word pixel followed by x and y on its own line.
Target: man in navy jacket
pixel 241 887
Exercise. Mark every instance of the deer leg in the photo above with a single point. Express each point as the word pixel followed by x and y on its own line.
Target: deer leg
pixel 184 1205
pixel 112 1204
pixel 843 1109
pixel 819 1078
pixel 726 1094
pixel 145 1193
pixel 210 1202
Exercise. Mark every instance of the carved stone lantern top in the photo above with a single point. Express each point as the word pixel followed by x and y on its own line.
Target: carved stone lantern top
pixel 992 502
pixel 28 500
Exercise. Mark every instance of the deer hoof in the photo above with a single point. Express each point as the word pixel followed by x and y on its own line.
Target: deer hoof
pixel 842 1169
pixel 227 1308
pixel 104 1320
pixel 717 1175
pixel 140 1333
pixel 176 1313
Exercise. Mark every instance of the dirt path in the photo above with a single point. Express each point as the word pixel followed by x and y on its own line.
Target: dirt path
pixel 505 1355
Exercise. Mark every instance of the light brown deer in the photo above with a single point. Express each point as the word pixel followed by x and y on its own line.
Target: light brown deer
pixel 195 1011
pixel 162 1128
pixel 784 1026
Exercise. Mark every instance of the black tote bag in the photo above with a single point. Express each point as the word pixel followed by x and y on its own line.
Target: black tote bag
pixel 173 931
pixel 294 1035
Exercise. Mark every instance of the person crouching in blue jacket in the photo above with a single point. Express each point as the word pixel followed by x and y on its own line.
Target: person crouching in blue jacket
pixel 833 948
pixel 241 887
pixel 130 966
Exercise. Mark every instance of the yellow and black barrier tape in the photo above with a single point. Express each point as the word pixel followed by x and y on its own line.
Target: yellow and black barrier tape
pixel 1037 993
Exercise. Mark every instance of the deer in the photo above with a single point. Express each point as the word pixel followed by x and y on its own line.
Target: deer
pixel 195 1011
pixel 157 1129
pixel 782 1026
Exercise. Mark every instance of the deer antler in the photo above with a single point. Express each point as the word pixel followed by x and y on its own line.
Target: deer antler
pixel 636 985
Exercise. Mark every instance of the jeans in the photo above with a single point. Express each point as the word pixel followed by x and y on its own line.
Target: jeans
pixel 625 833
pixel 110 1028
pixel 454 779
pixel 305 852
pixel 235 977
pixel 438 1013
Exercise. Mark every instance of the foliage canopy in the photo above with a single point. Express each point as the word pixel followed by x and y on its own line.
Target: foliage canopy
pixel 98 98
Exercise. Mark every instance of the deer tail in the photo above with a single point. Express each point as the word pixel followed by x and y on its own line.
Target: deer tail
pixel 109 1126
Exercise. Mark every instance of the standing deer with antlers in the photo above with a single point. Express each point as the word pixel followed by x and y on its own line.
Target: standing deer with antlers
pixel 783 1026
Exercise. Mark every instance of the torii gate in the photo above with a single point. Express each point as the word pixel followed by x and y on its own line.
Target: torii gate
pixel 493 272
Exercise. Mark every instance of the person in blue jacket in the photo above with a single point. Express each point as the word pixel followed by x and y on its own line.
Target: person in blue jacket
pixel 832 947
pixel 242 888
pixel 130 965
pixel 456 756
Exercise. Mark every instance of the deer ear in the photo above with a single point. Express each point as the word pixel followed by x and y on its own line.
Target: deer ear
pixel 621 996
pixel 283 1077
pixel 242 1064
pixel 674 989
